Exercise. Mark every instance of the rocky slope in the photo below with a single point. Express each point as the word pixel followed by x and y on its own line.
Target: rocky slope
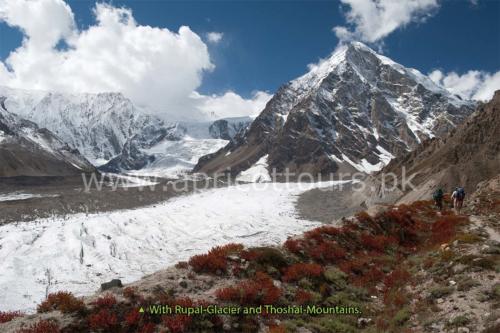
pixel 351 112
pixel 27 150
pixel 468 155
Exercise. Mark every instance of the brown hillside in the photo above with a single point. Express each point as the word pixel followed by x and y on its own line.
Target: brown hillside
pixel 468 155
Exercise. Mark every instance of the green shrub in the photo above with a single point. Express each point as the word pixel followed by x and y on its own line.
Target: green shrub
pixel 468 238
pixel 495 291
pixel 336 277
pixel 439 292
pixel 268 256
pixel 329 325
pixel 484 263
pixel 459 321
pixel 467 284
pixel 401 317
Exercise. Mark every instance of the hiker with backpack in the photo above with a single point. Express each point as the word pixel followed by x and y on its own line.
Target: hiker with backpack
pixel 458 197
pixel 438 198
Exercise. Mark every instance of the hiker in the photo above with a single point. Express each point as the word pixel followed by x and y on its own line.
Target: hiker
pixel 458 197
pixel 438 198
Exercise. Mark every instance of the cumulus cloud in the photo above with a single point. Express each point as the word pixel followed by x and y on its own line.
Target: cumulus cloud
pixel 474 84
pixel 214 37
pixel 155 67
pixel 32 17
pixel 373 20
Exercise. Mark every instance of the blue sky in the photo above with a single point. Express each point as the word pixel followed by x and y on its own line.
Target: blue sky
pixel 267 43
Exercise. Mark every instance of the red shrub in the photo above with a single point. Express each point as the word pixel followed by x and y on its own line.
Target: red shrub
pixel 215 260
pixel 428 263
pixel 62 301
pixel 322 233
pixel 293 245
pixel 130 293
pixel 43 326
pixel 401 225
pixel 382 324
pixel 208 263
pixel 327 252
pixel 237 270
pixel 106 301
pixel 133 317
pixel 423 206
pixel 182 265
pixel 369 278
pixel 259 290
pixel 329 230
pixel 230 248
pixel 354 266
pixel 148 328
pixel 298 271
pixel 378 242
pixel 9 315
pixel 303 297
pixel 397 278
pixel 103 320
pixel 444 228
pixel 400 300
pixel 250 255
pixel 177 323
pixel 185 302
pixel 277 329
pixel 363 217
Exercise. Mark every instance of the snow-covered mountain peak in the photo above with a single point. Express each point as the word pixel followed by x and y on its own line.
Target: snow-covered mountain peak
pixel 369 66
pixel 352 111
pixel 319 71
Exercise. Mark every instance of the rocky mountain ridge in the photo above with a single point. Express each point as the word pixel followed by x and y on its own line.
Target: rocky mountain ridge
pixel 352 112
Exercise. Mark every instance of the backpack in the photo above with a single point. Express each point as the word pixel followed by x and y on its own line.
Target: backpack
pixel 460 193
pixel 438 194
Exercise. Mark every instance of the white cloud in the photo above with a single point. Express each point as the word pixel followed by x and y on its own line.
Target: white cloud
pixel 157 68
pixel 373 20
pixel 44 22
pixel 214 37
pixel 474 84
pixel 232 105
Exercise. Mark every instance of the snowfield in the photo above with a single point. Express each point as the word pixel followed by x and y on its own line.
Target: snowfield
pixel 79 252
pixel 14 196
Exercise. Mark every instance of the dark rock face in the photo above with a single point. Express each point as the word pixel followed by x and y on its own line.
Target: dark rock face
pixel 115 283
pixel 352 112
